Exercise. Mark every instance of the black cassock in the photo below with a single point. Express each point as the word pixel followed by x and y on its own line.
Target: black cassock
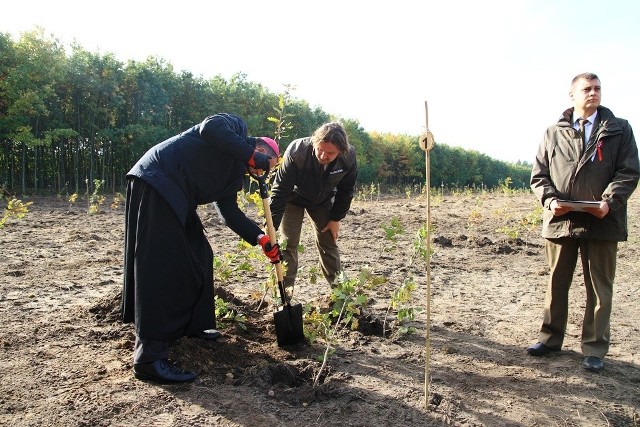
pixel 168 268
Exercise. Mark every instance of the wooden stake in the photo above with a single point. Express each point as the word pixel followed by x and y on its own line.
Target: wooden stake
pixel 426 143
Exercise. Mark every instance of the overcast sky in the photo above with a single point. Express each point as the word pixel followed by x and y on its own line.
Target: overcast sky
pixel 495 74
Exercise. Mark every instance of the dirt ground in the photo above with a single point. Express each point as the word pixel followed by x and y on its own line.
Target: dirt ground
pixel 66 359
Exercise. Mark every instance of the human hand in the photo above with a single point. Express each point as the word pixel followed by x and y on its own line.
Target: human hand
pixel 599 212
pixel 333 227
pixel 259 161
pixel 271 251
pixel 558 210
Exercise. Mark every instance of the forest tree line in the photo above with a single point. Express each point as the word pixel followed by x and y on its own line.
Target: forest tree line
pixel 70 117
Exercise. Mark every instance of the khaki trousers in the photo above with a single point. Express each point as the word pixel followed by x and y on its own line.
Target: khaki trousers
pixel 599 268
pixel 290 229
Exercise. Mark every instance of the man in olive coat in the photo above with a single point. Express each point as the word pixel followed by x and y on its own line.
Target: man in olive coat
pixel 590 155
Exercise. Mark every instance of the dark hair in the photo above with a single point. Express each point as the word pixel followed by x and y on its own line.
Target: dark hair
pixel 331 132
pixel 586 76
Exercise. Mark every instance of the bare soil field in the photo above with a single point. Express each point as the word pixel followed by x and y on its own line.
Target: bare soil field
pixel 66 358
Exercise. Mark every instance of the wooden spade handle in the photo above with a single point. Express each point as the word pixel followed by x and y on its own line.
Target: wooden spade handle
pixel 273 239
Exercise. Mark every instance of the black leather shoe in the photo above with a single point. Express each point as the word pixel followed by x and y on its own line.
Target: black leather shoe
pixel 593 364
pixel 539 349
pixel 162 371
pixel 208 334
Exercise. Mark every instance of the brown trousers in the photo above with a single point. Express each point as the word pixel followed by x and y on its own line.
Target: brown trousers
pixel 290 229
pixel 599 268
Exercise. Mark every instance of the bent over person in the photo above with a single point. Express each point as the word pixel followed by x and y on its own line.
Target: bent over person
pixel 168 265
pixel 317 176
pixel 588 155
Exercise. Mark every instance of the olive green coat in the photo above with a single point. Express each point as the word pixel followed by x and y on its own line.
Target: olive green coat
pixel 607 169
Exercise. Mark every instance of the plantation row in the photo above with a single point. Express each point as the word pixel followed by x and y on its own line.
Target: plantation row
pixel 68 120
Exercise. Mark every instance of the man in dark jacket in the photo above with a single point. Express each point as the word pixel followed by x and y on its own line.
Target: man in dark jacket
pixel 317 176
pixel 168 277
pixel 592 160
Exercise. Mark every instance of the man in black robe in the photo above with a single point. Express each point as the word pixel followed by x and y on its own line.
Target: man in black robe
pixel 168 265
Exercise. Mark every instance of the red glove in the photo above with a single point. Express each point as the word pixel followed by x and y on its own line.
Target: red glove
pixel 271 251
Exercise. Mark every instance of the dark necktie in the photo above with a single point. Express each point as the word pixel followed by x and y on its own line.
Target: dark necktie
pixel 582 123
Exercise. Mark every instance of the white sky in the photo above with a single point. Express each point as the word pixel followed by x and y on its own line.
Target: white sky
pixel 495 73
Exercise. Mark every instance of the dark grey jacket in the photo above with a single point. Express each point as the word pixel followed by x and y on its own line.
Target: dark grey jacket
pixel 608 169
pixel 301 181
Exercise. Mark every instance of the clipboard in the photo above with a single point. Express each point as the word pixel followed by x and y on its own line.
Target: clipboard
pixel 577 205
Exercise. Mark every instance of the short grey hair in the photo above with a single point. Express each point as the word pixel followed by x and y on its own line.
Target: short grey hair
pixel 586 76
